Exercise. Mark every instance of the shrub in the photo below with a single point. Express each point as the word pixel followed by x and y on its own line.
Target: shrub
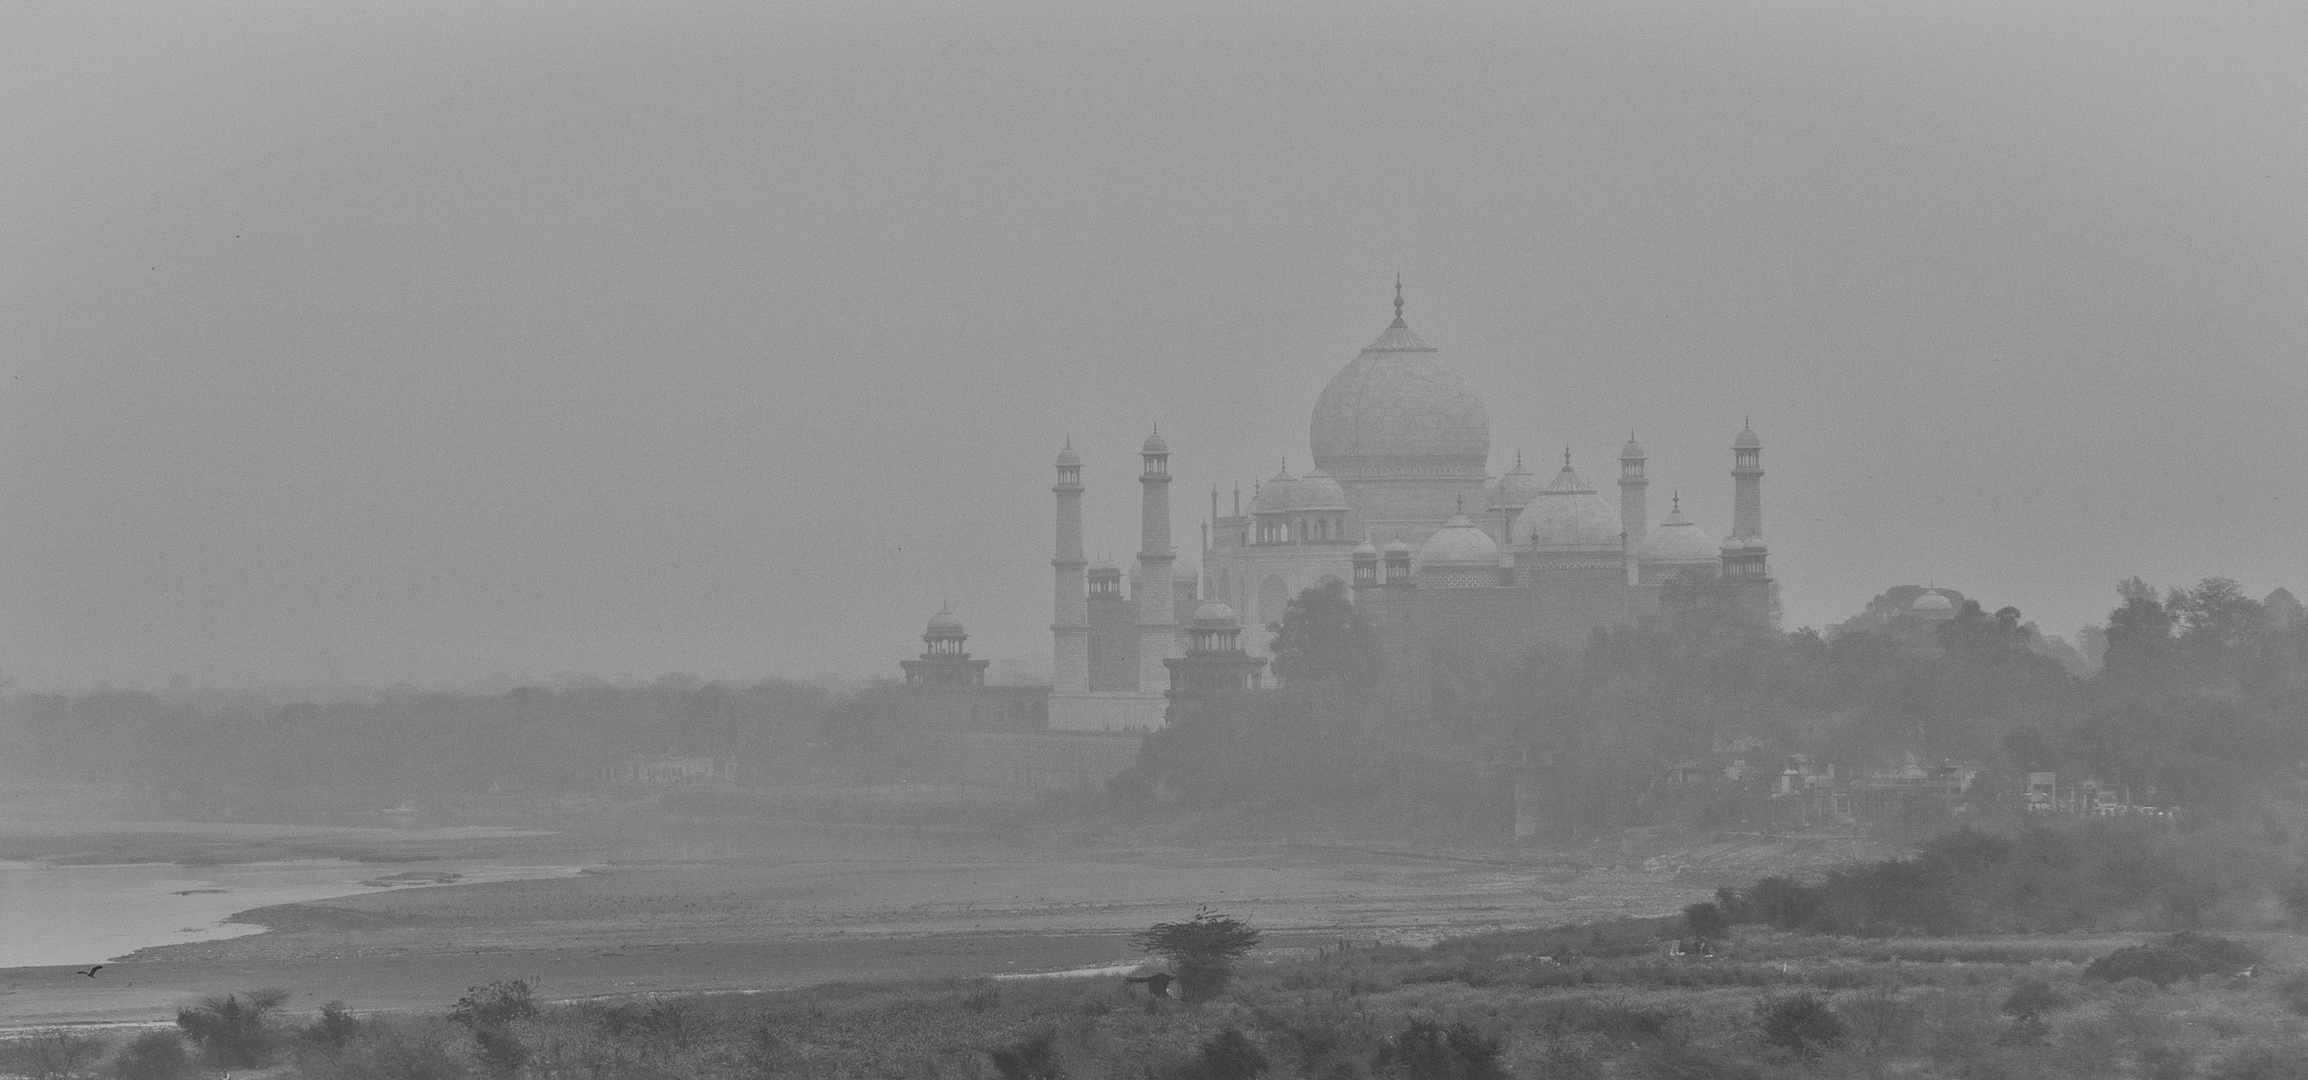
pixel 2153 963
pixel 2185 955
pixel 2219 953
pixel 502 1052
pixel 231 1032
pixel 1706 921
pixel 2027 1029
pixel 1801 1024
pixel 333 1028
pixel 1229 1055
pixel 1619 1022
pixel 2294 993
pixel 494 1005
pixel 2032 997
pixel 154 1055
pixel 1875 1014
pixel 1783 902
pixel 1034 1057
pixel 391 1052
pixel 55 1052
pixel 1425 1050
pixel 2261 1061
pixel 1202 951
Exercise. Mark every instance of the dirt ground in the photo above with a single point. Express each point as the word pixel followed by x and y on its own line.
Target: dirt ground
pixel 722 904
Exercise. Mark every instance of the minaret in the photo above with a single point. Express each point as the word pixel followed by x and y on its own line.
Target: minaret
pixel 1070 613
pixel 1746 507
pixel 1157 622
pixel 1634 504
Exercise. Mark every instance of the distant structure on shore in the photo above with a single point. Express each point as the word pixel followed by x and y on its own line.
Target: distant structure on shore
pixel 1400 508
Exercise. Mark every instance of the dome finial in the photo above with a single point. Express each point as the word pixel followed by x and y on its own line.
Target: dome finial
pixel 1462 503
pixel 1398 300
pixel 1566 457
pixel 1676 502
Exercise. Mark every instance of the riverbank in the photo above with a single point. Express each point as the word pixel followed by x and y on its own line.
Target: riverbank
pixel 708 904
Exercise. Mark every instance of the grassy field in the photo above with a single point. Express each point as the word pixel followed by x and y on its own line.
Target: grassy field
pixel 1600 1000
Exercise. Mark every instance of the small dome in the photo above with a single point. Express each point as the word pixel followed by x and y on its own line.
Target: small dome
pixel 1276 495
pixel 1747 439
pixel 1459 543
pixel 1398 548
pixel 1214 613
pixel 1365 550
pixel 1154 444
pixel 1317 491
pixel 945 622
pixel 1513 491
pixel 1067 458
pixel 1632 451
pixel 1566 514
pixel 1677 540
pixel 1932 601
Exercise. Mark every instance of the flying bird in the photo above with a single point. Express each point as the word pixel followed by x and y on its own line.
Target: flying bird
pixel 91 972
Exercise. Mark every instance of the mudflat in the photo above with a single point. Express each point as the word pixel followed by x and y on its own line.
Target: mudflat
pixel 719 904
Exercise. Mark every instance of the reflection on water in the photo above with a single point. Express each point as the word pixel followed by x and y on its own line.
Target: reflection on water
pixel 88 914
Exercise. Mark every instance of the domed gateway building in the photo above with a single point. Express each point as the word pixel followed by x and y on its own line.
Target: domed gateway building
pixel 1480 565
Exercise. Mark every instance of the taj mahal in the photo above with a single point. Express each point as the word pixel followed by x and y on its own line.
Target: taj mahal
pixel 1400 508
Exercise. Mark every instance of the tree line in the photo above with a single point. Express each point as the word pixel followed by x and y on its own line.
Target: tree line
pixel 2198 696
pixel 401 740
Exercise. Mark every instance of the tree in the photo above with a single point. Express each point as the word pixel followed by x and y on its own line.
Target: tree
pixel 1706 921
pixel 154 1055
pixel 489 1011
pixel 232 1032
pixel 1426 1050
pixel 2139 633
pixel 1801 1024
pixel 1324 637
pixel 1202 951
pixel 2214 615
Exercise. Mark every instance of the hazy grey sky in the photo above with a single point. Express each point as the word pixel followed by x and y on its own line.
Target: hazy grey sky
pixel 427 341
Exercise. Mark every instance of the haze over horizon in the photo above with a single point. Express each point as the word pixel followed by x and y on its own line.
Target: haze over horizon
pixel 368 343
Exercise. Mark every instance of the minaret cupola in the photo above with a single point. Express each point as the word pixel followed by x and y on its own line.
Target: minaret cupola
pixel 944 662
pixel 1366 566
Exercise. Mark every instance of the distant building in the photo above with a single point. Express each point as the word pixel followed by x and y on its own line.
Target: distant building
pixel 1400 508
pixel 945 690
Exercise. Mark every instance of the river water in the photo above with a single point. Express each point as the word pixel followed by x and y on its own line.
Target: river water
pixel 89 914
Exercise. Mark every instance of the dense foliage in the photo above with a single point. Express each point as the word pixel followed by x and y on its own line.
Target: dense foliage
pixel 2201 694
pixel 2093 875
pixel 1203 950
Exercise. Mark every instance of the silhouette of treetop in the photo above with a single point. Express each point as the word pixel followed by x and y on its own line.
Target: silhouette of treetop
pixel 1206 938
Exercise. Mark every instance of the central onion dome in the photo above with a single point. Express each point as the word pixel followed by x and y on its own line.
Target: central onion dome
pixel 1566 514
pixel 1396 411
